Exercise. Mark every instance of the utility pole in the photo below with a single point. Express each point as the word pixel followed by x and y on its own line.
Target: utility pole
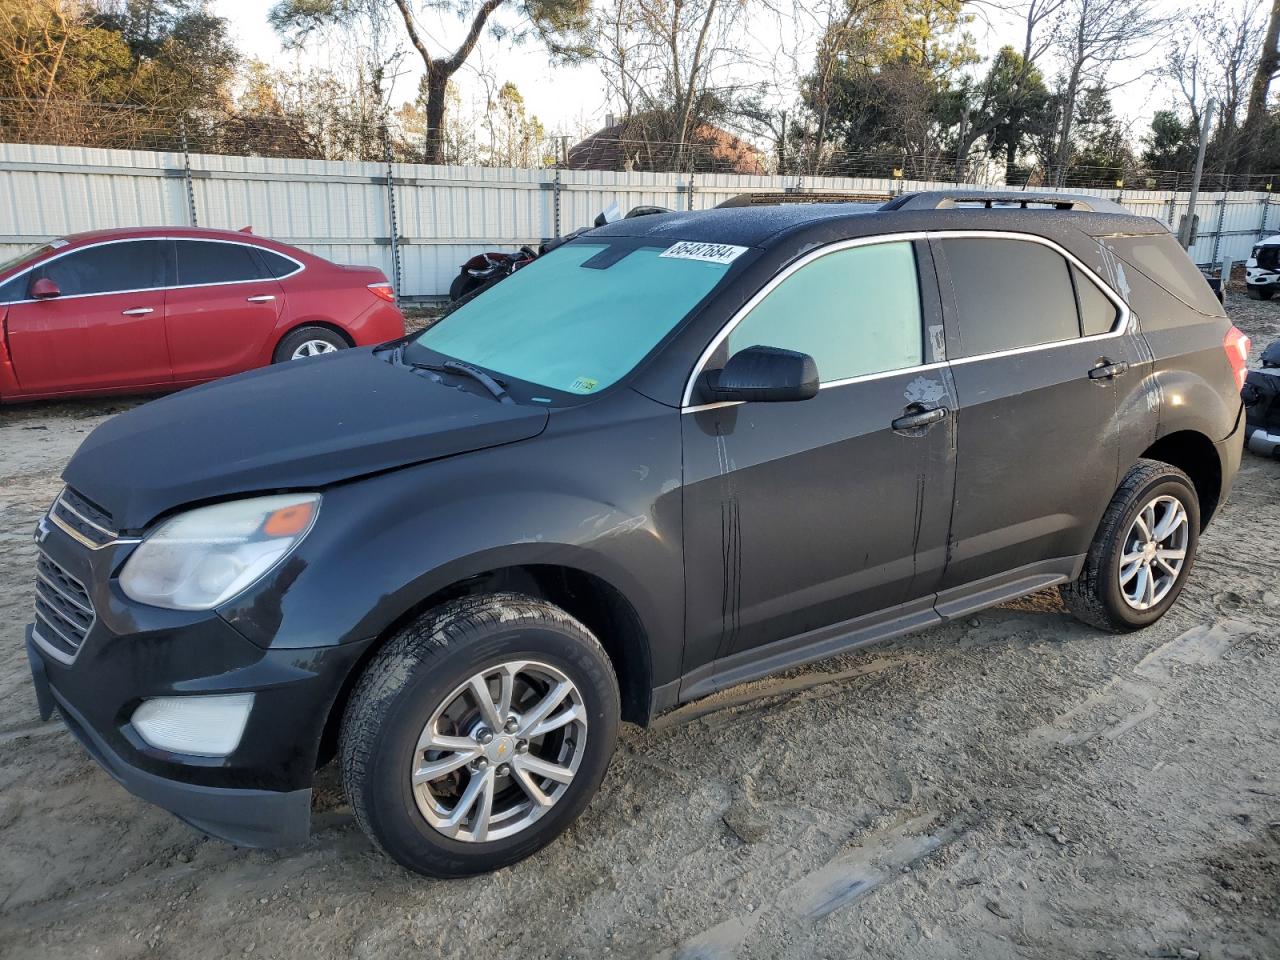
pixel 1184 236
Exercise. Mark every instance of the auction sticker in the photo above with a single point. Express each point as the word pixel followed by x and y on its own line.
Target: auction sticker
pixel 709 252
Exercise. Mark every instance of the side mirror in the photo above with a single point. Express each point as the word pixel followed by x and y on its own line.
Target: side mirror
pixel 44 289
pixel 764 375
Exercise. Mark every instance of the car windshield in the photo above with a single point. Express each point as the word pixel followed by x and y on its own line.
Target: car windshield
pixel 25 255
pixel 1268 256
pixel 583 316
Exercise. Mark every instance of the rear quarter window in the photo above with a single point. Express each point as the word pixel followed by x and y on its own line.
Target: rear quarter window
pixel 1162 261
pixel 1098 314
pixel 277 265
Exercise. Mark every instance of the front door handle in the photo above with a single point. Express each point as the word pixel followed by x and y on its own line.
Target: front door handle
pixel 918 415
pixel 1108 369
pixel 137 312
pixel 261 298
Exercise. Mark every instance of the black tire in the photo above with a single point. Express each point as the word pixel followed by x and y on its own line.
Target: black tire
pixel 1095 596
pixel 288 344
pixel 414 675
pixel 1257 293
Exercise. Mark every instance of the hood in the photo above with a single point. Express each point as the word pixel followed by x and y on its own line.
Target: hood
pixel 301 424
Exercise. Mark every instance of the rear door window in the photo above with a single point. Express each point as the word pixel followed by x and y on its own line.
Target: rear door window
pixel 204 262
pixel 109 268
pixel 1009 294
pixel 855 311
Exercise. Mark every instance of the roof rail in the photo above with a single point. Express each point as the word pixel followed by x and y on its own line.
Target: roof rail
pixel 775 197
pixel 950 199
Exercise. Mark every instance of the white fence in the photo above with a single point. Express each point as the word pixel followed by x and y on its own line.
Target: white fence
pixel 432 218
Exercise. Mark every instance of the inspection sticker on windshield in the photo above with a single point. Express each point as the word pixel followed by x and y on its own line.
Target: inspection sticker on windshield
pixel 710 252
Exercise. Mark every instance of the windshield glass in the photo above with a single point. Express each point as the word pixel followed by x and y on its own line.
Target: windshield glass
pixel 583 316
pixel 23 255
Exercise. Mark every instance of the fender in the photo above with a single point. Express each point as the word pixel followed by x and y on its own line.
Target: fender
pixel 1188 401
pixel 384 544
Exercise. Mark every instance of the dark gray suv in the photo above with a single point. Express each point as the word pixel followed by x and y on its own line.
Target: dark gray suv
pixel 675 454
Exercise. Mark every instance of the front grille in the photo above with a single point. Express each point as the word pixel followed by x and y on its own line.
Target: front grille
pixel 64 612
pixel 84 521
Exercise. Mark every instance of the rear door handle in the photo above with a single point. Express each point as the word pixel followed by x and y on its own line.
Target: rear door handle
pixel 918 416
pixel 1107 369
pixel 137 312
pixel 261 298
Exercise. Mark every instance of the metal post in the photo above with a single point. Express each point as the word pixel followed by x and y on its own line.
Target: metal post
pixel 1217 237
pixel 1262 224
pixel 690 190
pixel 391 213
pixel 555 199
pixel 1185 237
pixel 186 174
pixel 1173 202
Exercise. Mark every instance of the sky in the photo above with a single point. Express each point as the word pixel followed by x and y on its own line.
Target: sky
pixel 569 100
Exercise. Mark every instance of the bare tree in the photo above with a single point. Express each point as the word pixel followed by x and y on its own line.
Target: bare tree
pixel 1002 97
pixel 1090 37
pixel 1268 67
pixel 548 19
pixel 1212 56
pixel 665 62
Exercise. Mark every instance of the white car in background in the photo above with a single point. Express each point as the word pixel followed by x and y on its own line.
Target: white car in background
pixel 1262 269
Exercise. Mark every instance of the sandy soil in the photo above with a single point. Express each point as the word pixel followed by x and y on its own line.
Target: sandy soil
pixel 1016 785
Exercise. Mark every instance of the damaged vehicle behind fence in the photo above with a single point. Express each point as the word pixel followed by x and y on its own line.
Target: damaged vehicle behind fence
pixel 677 453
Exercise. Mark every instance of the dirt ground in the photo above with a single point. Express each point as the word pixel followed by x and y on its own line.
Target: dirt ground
pixel 1014 785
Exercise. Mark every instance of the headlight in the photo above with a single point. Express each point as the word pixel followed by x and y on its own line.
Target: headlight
pixel 206 556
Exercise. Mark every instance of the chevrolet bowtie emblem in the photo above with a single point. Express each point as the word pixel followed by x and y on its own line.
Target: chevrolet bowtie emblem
pixel 42 530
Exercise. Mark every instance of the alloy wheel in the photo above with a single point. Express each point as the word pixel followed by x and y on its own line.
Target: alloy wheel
pixel 312 348
pixel 499 752
pixel 1155 551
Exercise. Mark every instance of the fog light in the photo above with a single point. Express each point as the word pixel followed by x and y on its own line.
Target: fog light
pixel 203 726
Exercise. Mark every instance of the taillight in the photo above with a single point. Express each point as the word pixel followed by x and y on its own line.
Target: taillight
pixel 1237 346
pixel 383 291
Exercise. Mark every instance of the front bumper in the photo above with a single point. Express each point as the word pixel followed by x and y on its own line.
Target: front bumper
pixel 245 817
pixel 1230 452
pixel 258 795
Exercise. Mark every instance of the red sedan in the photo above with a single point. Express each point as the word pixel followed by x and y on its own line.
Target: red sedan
pixel 119 311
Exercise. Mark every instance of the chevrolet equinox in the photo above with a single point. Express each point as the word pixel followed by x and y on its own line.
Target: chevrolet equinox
pixel 676 454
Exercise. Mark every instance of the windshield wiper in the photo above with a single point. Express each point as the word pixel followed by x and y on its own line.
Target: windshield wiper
pixel 494 386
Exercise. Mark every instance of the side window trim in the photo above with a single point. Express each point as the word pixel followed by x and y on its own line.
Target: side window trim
pixel 686 401
pixel 34 272
pixel 1118 329
pixel 1121 327
pixel 170 267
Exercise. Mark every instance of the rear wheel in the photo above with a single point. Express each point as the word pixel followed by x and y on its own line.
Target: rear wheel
pixel 478 734
pixel 1142 553
pixel 306 342
pixel 1258 293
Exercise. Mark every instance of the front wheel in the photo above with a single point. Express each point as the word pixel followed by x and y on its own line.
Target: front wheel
pixel 1142 553
pixel 478 734
pixel 1258 293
